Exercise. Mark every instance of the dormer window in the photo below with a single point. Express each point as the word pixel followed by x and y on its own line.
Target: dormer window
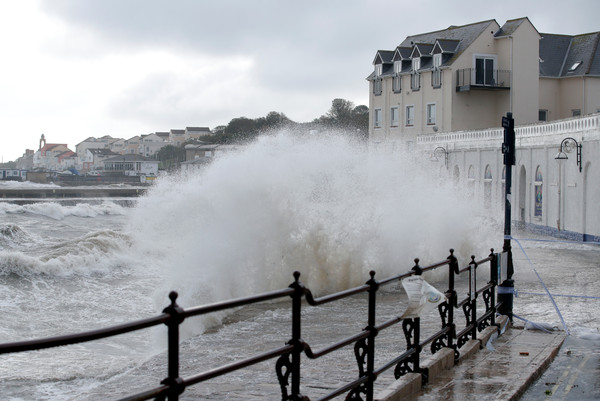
pixel 416 64
pixel 378 69
pixel 397 67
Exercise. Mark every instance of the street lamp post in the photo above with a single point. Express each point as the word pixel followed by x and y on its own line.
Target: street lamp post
pixel 438 152
pixel 566 146
pixel 506 288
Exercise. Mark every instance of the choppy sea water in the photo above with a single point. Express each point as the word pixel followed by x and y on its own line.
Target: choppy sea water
pixel 240 228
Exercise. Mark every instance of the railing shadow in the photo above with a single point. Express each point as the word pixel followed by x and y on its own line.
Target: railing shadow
pixel 288 362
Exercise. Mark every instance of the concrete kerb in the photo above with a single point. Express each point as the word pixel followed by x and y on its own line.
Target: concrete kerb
pixel 437 363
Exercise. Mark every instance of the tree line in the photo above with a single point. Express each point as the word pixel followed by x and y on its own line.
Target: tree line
pixel 343 116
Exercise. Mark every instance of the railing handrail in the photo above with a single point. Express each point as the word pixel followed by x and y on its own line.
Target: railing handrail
pixel 173 316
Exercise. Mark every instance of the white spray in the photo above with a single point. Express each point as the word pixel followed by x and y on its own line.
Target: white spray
pixel 319 205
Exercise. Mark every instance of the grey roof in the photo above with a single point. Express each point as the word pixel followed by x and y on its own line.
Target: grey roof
pixel 197 129
pixel 402 53
pixel 424 49
pixel 558 53
pixel 466 34
pixel 509 27
pixel 453 40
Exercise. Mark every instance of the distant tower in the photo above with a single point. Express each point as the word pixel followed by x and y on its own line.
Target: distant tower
pixel 42 140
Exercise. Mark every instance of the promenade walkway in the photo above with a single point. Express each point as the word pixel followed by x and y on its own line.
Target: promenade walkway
pixel 527 364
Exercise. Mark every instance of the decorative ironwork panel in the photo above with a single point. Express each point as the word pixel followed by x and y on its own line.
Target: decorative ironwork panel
pixel 403 367
pixel 284 369
pixel 361 350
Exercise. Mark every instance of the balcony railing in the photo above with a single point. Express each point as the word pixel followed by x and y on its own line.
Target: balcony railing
pixel 473 78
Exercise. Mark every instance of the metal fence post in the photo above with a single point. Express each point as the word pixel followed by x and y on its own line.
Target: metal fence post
pixel 175 383
pixel 452 301
pixel 494 281
pixel 473 295
pixel 374 286
pixel 296 336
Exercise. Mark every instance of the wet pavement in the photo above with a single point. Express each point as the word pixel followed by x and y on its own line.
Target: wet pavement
pixel 574 375
pixel 525 364
pixel 502 370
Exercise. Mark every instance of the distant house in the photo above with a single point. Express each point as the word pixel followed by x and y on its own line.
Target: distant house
pixel 207 151
pixel 131 164
pixel 25 162
pixel 177 137
pixel 132 145
pixel 194 133
pixel 150 144
pixel 118 146
pixel 46 157
pixel 67 160
pixel 93 159
pixel 163 135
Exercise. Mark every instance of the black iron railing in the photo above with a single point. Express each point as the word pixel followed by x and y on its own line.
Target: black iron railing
pixel 474 78
pixel 288 363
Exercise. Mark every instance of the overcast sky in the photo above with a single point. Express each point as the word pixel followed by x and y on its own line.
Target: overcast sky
pixel 72 69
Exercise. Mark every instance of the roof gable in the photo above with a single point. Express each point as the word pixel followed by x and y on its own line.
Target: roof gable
pixel 383 57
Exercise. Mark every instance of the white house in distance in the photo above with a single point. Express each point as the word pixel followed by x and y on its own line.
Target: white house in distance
pixel 93 159
pixel 444 92
pixel 131 164
pixel 150 144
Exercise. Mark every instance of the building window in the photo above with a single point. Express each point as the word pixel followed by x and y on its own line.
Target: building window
pixel 397 84
pixel 543 115
pixel 436 73
pixel 377 118
pixel 415 81
pixel 378 70
pixel 471 180
pixel 410 115
pixel 394 116
pixel 431 113
pixel 377 86
pixel 576 112
pixel 487 187
pixel 484 69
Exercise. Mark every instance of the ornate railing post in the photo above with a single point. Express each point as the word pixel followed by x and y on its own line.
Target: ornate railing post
pixel 494 282
pixel 473 295
pixel 284 367
pixel 173 380
pixel 451 303
pixel 366 348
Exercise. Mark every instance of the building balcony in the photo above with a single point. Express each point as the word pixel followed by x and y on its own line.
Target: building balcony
pixel 482 79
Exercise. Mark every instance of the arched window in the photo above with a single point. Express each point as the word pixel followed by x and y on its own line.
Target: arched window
pixel 471 180
pixel 487 187
pixel 538 192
